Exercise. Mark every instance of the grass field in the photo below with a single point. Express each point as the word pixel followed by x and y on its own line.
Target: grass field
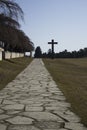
pixel 9 69
pixel 71 77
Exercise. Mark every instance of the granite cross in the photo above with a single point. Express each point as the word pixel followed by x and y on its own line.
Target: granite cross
pixel 52 43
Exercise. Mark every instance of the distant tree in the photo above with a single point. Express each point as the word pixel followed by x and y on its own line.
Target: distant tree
pixel 44 55
pixel 85 52
pixel 81 53
pixel 49 53
pixel 66 54
pixel 38 52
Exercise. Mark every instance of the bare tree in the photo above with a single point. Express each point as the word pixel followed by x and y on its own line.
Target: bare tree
pixel 11 9
pixel 13 38
pixel 5 20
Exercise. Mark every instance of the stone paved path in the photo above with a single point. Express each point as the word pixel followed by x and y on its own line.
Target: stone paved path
pixel 33 102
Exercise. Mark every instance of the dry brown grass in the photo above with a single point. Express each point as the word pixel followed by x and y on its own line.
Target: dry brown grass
pixel 71 77
pixel 9 69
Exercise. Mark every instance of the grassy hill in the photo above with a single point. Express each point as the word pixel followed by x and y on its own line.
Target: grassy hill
pixel 71 77
pixel 9 69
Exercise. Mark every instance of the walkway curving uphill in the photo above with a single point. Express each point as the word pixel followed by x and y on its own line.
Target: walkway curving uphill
pixel 33 101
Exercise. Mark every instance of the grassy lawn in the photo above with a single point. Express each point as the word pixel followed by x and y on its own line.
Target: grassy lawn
pixel 71 77
pixel 9 69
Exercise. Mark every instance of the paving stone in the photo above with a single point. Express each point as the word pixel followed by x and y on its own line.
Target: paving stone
pixel 71 118
pixel 3 96
pixel 12 112
pixel 8 102
pixel 56 108
pixel 42 116
pixel 60 98
pixel 26 101
pixel 22 127
pixel 14 107
pixel 20 120
pixel 3 116
pixel 3 127
pixel 63 129
pixel 36 104
pixel 37 109
pixel 46 94
pixel 56 129
pixel 49 125
pixel 57 97
pixel 46 100
pixel 52 108
pixel 54 103
pixel 1 101
pixel 75 126
pixel 1 111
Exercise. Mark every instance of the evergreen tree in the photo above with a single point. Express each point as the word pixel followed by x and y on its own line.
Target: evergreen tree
pixel 38 52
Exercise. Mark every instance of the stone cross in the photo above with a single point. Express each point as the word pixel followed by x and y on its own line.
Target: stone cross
pixel 52 43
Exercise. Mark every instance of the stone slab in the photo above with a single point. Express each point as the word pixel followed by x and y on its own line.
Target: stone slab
pixel 33 109
pixel 47 116
pixel 75 126
pixel 8 102
pixel 22 127
pixel 13 107
pixel 12 112
pixel 56 129
pixel 1 101
pixel 1 111
pixel 3 116
pixel 20 120
pixel 49 125
pixel 70 118
pixel 3 127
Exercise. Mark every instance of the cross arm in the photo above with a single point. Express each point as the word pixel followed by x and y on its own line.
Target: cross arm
pixel 49 42
pixel 55 42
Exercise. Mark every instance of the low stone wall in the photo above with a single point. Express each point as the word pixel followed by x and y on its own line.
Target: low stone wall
pixel 13 55
pixel 16 55
pixel 21 54
pixel 0 55
pixel 9 55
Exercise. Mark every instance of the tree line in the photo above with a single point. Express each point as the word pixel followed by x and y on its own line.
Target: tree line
pixel 64 54
pixel 12 38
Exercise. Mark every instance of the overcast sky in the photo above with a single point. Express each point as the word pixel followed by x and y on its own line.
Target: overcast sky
pixel 65 21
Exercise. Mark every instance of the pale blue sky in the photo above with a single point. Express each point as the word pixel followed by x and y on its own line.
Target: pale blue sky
pixel 65 21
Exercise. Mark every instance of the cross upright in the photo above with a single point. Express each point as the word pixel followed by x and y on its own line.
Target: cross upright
pixel 52 43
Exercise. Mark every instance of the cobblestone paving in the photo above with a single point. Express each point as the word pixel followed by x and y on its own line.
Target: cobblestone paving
pixel 34 102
